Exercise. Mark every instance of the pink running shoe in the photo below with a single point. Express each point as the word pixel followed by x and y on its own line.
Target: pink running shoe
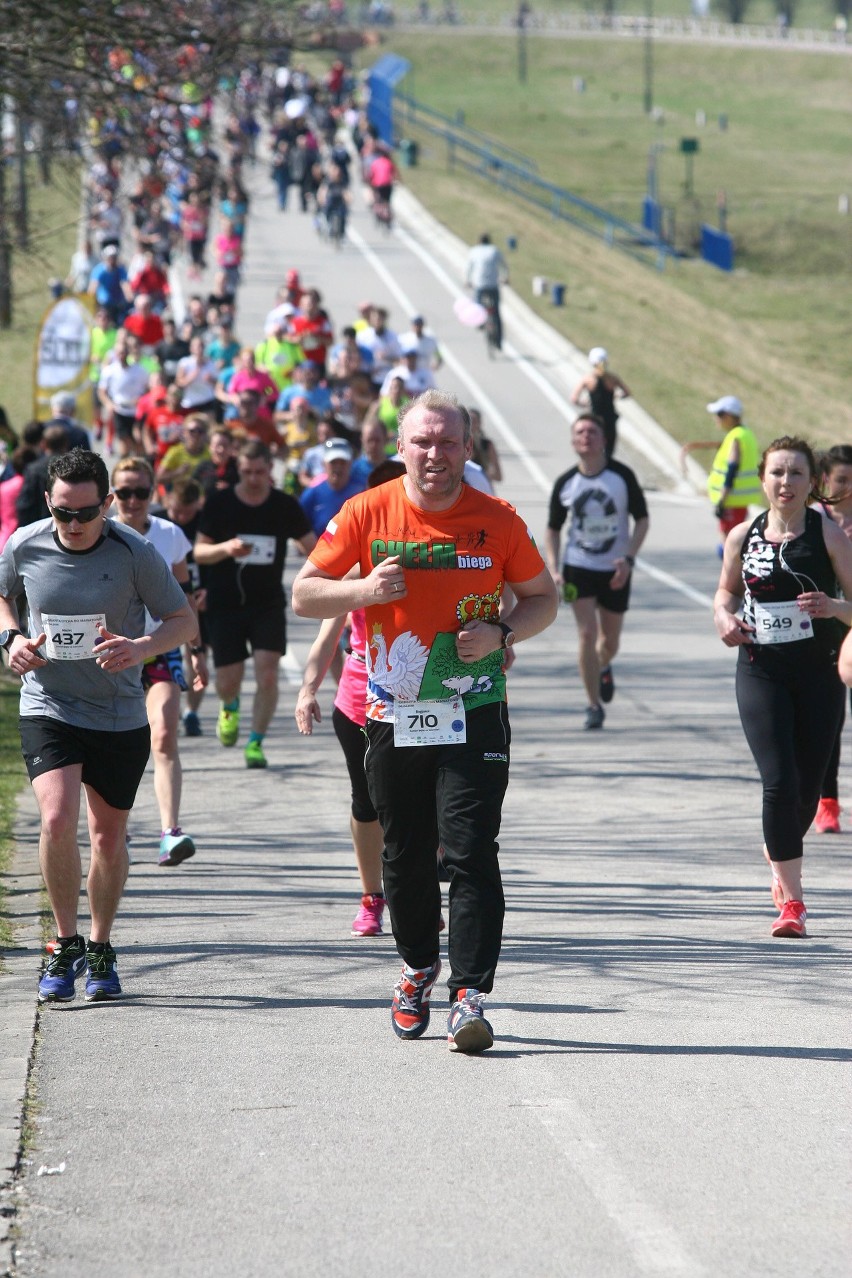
pixel 791 920
pixel 368 920
pixel 827 819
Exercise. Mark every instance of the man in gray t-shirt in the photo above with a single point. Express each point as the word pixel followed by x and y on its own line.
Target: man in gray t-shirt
pixel 88 584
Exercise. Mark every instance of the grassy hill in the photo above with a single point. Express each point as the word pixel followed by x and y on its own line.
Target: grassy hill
pixel 777 330
pixel 54 218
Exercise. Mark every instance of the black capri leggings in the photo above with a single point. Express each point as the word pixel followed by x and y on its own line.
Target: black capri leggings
pixel 790 716
pixel 353 742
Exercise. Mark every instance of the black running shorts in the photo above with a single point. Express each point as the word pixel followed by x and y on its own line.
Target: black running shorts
pixel 583 583
pixel 234 630
pixel 113 762
pixel 125 424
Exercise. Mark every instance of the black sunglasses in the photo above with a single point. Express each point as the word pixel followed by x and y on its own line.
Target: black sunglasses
pixel 84 515
pixel 124 494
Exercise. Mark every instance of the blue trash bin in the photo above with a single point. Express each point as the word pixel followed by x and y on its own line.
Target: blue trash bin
pixel 558 294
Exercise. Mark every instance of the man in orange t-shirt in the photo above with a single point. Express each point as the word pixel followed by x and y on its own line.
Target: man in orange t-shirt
pixel 435 557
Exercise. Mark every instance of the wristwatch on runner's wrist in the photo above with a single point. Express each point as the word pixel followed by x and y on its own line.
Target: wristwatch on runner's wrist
pixel 6 637
pixel 508 635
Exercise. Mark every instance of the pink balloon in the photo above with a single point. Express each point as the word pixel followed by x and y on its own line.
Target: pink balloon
pixel 469 312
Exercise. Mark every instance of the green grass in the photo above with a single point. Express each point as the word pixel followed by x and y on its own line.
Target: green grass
pixel 777 330
pixel 12 779
pixel 54 220
pixel 812 14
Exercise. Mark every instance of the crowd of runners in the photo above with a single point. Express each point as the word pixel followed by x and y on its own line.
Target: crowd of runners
pixel 332 431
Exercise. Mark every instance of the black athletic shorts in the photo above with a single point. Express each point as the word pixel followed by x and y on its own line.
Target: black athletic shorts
pixel 124 424
pixel 584 583
pixel 236 631
pixel 113 762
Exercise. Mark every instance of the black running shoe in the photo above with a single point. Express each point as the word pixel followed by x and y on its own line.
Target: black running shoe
pixel 607 688
pixel 594 718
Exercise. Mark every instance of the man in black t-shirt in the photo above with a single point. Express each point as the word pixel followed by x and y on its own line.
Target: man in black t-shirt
pixel 172 349
pixel 242 543
pixel 182 505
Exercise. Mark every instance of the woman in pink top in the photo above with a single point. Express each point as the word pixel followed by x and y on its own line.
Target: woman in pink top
pixel 249 377
pixel 193 224
pixel 348 719
pixel 229 254
pixel 9 489
pixel 383 174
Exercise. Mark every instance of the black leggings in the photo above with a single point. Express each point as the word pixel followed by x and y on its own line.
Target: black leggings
pixel 353 742
pixel 789 712
pixel 450 796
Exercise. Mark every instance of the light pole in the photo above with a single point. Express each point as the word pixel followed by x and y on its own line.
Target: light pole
pixel 649 56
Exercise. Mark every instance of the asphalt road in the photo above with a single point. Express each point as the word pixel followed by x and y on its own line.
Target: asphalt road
pixel 669 1089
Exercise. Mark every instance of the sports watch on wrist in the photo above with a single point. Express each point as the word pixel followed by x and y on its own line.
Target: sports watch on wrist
pixel 6 637
pixel 508 635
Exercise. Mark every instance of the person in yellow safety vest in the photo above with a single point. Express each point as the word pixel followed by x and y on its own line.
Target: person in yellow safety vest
pixel 733 483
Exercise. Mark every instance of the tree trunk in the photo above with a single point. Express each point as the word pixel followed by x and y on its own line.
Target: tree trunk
pixel 5 256
pixel 22 219
pixel 47 130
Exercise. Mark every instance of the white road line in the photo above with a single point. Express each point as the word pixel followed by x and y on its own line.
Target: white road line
pixel 293 666
pixel 655 1245
pixel 674 583
pixel 529 370
pixel 177 303
pixel 495 417
pixel 653 1242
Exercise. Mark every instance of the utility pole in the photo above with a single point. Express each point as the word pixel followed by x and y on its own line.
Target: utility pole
pixel 649 56
pixel 523 11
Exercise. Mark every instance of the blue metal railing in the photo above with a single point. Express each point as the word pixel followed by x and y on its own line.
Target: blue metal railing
pixel 474 136
pixel 513 172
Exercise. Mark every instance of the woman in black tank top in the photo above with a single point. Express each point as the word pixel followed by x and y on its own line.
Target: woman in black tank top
pixel 599 388
pixel 787 568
